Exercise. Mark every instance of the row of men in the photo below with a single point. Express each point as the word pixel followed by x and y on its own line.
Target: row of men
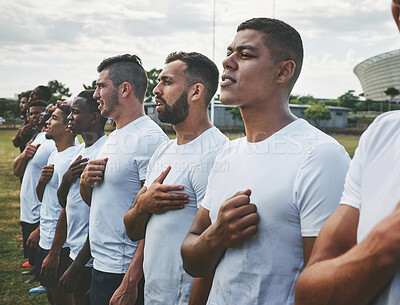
pixel 214 221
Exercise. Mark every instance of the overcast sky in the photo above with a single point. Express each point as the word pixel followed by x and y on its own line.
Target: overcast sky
pixel 66 39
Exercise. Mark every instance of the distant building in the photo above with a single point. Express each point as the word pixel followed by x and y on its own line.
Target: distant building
pixel 223 119
pixel 378 73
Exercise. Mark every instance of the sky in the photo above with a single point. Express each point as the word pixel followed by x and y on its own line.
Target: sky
pixel 65 40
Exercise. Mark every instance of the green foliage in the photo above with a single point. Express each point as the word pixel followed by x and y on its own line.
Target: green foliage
pixel 235 113
pixel 9 109
pixel 317 112
pixel 59 90
pixel 152 75
pixel 348 99
pixel 392 92
pixel 90 87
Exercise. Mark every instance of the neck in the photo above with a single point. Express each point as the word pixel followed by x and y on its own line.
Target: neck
pixel 264 119
pixel 193 126
pixel 64 142
pixel 128 113
pixel 91 137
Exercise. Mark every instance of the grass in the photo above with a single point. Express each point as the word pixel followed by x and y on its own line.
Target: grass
pixel 13 290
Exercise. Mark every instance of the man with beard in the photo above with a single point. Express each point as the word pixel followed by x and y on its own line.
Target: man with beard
pixel 257 224
pixel 46 190
pixel 176 180
pixel 84 120
pixel 110 183
pixel 357 254
pixel 28 166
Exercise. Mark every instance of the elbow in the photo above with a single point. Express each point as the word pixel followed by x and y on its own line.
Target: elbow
pixel 130 229
pixel 191 265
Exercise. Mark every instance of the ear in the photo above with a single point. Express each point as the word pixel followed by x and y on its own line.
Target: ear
pixel 125 89
pixel 196 92
pixel 95 118
pixel 286 71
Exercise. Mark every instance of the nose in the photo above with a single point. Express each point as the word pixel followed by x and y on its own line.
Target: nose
pixel 96 94
pixel 157 89
pixel 69 117
pixel 230 62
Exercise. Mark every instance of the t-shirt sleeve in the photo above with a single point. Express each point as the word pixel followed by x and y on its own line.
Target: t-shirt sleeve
pixel 199 176
pixel 352 187
pixel 147 145
pixel 319 186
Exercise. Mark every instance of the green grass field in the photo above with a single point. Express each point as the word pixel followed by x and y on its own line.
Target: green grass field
pixel 12 287
pixel 13 290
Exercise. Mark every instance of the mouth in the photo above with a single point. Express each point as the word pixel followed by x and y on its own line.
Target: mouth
pixel 227 80
pixel 160 104
pixel 101 104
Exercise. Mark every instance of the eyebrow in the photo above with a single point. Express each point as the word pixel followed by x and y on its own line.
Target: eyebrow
pixel 164 78
pixel 243 47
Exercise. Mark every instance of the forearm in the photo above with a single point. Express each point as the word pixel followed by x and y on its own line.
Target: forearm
pixel 40 190
pixel 135 223
pixel 200 290
pixel 352 278
pixel 84 255
pixel 86 193
pixel 19 166
pixel 201 254
pixel 60 235
pixel 63 190
pixel 135 269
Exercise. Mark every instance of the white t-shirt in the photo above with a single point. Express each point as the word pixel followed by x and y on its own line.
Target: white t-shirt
pixel 30 204
pixel 296 177
pixel 166 281
pixel 51 208
pixel 77 210
pixel 372 184
pixel 128 150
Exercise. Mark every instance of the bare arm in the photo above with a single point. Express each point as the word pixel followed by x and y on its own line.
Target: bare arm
pixel 341 272
pixel 20 162
pixel 93 172
pixel 74 171
pixel 47 173
pixel 154 200
pixel 52 260
pixel 127 292
pixel 205 244
pixel 200 290
pixel 70 279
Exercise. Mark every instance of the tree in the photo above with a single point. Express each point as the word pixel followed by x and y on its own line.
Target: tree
pixel 235 113
pixel 349 99
pixel 317 112
pixel 392 92
pixel 59 90
pixel 152 75
pixel 90 87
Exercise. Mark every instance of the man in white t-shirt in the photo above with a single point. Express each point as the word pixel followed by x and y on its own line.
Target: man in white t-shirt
pixel 269 193
pixel 28 165
pixel 176 179
pixel 357 254
pixel 50 223
pixel 84 120
pixel 110 183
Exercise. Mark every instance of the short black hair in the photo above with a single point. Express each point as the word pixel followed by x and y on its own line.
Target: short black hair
pixel 24 94
pixel 90 100
pixel 199 69
pixel 281 39
pixel 126 68
pixel 36 103
pixel 65 110
pixel 92 104
pixel 45 93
